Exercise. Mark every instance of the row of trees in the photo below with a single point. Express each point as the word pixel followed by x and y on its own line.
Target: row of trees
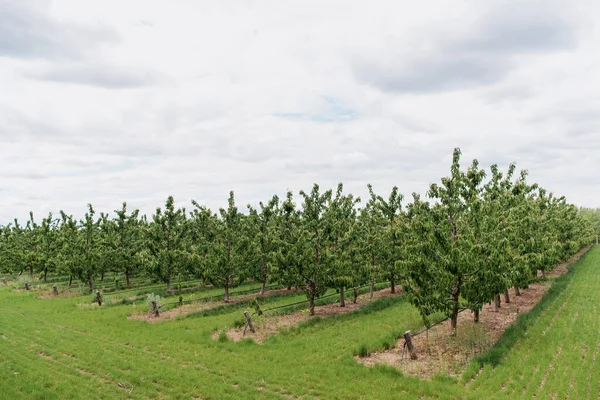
pixel 477 236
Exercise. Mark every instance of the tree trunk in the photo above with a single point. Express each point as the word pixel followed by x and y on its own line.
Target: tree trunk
pixel 371 289
pixel 264 277
pixel 45 274
pixel 342 299
pixel 102 277
pixel 517 291
pixel 393 284
pixel 55 290
pixel 127 278
pixel 506 296
pixel 90 283
pixel 26 285
pixel 99 298
pixel 355 295
pixel 543 274
pixel 311 296
pixel 496 303
pixel 262 288
pixel 227 290
pixel 454 315
pixel 155 309
pixel 169 285
pixel 70 280
pixel 476 316
pixel 31 271
pixel 289 287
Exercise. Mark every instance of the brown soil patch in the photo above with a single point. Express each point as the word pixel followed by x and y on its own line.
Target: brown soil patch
pixel 439 353
pixel 201 306
pixel 267 326
pixel 65 293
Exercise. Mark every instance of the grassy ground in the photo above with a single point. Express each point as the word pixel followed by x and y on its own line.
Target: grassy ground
pixel 553 351
pixel 55 348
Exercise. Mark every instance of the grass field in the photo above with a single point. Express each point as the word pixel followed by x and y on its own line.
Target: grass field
pixel 56 348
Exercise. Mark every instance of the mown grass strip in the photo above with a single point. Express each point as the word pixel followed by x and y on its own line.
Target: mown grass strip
pixel 524 322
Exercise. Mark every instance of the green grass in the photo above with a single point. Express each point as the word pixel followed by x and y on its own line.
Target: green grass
pixel 55 349
pixel 551 352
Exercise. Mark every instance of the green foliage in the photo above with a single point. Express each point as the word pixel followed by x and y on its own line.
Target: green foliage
pixel 151 297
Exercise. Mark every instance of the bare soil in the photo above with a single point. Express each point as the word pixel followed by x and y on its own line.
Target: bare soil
pixel 65 293
pixel 201 306
pixel 440 353
pixel 267 326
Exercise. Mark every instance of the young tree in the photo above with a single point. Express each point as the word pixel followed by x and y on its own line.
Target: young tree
pixel 227 261
pixel 125 242
pixel 262 226
pixel 89 246
pixel 340 217
pixel 202 230
pixel 314 237
pixel 166 242
pixel 393 243
pixel 441 261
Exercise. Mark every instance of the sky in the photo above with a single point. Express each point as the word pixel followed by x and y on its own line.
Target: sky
pixel 109 101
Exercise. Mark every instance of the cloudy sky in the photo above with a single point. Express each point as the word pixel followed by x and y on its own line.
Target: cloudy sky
pixel 112 101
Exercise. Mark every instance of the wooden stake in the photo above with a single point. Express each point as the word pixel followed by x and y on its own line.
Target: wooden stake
pixel 248 322
pixel 409 344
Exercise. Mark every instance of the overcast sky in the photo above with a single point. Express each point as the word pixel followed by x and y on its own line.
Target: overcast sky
pixel 109 101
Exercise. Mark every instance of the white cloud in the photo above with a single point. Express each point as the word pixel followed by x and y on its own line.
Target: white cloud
pixel 106 102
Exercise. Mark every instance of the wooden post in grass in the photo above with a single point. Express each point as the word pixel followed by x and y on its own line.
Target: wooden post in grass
pixel 248 322
pixel 26 285
pixel 55 290
pixel 409 344
pixel 155 309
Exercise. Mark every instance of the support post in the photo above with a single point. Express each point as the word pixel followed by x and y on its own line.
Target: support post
pixel 409 344
pixel 248 322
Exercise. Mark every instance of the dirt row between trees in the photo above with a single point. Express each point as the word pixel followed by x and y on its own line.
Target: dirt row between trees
pixel 440 353
pixel 269 325
pixel 200 305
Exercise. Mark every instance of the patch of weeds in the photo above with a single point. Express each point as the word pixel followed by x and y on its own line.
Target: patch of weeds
pixel 222 337
pixel 471 338
pixel 388 370
pixel 239 323
pixel 363 351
